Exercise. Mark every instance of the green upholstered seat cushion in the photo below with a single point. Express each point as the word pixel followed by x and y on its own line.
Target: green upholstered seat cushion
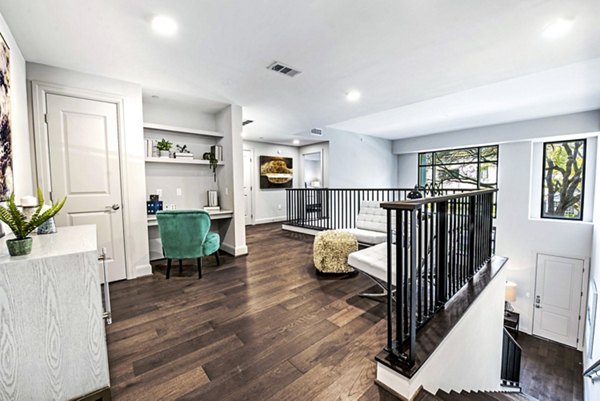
pixel 211 243
pixel 184 232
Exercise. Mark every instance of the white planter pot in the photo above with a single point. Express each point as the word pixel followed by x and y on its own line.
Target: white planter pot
pixel 164 153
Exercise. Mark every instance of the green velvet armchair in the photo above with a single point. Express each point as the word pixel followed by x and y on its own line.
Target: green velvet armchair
pixel 185 235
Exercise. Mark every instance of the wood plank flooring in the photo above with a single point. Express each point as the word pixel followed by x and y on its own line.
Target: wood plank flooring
pixel 260 327
pixel 265 327
pixel 550 371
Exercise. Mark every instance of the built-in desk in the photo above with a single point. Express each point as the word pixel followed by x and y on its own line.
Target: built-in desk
pixel 52 336
pixel 219 219
pixel 221 214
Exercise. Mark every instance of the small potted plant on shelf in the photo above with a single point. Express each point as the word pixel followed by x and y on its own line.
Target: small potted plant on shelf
pixel 213 162
pixel 164 147
pixel 21 226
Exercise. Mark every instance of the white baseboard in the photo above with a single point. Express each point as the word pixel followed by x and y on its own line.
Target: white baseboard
pixel 235 251
pixel 270 220
pixel 300 230
pixel 143 270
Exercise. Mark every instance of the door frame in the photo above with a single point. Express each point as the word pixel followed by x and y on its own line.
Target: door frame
pixel 302 177
pixel 41 150
pixel 252 170
pixel 585 278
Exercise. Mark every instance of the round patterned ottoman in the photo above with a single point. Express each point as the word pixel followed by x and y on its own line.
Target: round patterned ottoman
pixel 331 250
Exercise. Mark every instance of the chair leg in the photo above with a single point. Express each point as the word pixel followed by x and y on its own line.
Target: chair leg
pixel 168 268
pixel 180 267
pixel 218 258
pixel 199 267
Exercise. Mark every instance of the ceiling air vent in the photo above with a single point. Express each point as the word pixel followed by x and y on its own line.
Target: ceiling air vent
pixel 316 132
pixel 246 122
pixel 283 69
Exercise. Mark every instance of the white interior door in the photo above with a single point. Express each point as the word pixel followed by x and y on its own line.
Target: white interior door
pixel 83 141
pixel 558 298
pixel 248 186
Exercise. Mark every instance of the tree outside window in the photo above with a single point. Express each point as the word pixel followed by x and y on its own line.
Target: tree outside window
pixel 469 168
pixel 563 179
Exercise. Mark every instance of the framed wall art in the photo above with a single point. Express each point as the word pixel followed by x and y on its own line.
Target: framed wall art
pixel 276 172
pixel 6 164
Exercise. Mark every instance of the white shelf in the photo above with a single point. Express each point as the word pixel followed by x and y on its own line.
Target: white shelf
pixel 222 214
pixel 182 130
pixel 169 160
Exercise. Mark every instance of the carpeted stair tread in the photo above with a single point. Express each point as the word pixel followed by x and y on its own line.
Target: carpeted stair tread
pixel 452 396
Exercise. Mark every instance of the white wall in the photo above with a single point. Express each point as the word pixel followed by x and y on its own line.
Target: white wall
pixel 133 170
pixel 359 161
pixel 407 170
pixel 519 237
pixel 21 145
pixel 270 204
pixel 454 367
pixel 591 390
pixel 577 123
pixel 231 180
pixel 179 115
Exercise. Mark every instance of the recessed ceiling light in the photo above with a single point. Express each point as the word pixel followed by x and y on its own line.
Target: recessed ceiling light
pixel 164 25
pixel 296 142
pixel 243 134
pixel 557 29
pixel 353 95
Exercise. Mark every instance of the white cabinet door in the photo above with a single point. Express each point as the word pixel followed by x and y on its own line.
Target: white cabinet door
pixel 83 141
pixel 558 298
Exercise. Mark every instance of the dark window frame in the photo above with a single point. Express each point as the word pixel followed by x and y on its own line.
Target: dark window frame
pixel 583 179
pixel 479 162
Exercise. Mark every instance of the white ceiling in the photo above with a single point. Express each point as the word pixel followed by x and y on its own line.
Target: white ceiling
pixel 397 53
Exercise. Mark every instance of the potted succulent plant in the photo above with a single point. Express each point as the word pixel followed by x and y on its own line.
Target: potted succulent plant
pixel 21 226
pixel 164 147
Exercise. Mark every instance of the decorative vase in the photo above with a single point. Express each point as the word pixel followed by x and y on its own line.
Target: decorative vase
pixel 164 153
pixel 19 247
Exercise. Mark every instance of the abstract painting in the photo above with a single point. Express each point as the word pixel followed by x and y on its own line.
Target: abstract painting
pixel 6 168
pixel 276 172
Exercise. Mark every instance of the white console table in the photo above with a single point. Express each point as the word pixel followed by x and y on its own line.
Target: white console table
pixel 52 336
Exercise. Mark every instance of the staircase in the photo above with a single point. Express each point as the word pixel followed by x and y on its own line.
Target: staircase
pixel 472 396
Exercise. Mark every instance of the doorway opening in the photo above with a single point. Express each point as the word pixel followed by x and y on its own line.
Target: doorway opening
pixel 313 170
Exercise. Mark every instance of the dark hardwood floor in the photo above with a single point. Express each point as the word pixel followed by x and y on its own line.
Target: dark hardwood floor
pixel 550 371
pixel 260 327
pixel 265 327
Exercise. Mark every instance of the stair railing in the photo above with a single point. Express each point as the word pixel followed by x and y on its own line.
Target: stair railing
pixel 593 372
pixel 436 245
pixel 510 373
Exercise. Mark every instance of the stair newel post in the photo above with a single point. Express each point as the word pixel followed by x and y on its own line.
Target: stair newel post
pixel 442 253
pixel 389 281
pixel 413 288
pixel 400 287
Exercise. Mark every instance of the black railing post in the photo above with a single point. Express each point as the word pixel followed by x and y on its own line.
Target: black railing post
pixel 442 252
pixel 413 288
pixel 472 217
pixel 389 282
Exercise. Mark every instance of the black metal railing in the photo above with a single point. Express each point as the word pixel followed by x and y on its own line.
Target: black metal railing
pixel 593 371
pixel 511 360
pixel 434 247
pixel 337 208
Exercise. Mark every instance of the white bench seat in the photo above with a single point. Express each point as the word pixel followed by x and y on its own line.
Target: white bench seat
pixel 372 261
pixel 368 237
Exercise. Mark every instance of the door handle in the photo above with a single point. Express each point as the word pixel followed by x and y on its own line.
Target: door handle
pixel 116 206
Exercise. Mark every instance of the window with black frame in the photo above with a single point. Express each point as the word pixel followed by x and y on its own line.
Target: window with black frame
pixel 468 168
pixel 563 179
